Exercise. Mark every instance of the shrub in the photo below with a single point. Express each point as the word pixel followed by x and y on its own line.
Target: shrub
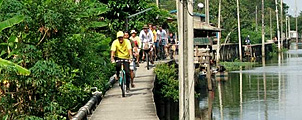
pixel 167 81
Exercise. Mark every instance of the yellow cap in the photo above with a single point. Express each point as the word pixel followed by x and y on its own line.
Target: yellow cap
pixel 119 34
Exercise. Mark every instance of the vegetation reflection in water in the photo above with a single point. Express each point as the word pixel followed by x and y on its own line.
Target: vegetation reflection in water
pixel 270 92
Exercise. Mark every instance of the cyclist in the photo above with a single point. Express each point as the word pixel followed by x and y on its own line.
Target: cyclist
pixel 121 50
pixel 146 38
pixel 152 30
pixel 171 44
pixel 247 40
pixel 162 35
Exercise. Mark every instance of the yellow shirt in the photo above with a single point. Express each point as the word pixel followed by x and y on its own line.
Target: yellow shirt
pixel 154 36
pixel 121 50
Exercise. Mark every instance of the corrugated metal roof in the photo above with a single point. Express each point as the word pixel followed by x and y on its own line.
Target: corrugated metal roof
pixel 195 14
pixel 198 25
pixel 203 26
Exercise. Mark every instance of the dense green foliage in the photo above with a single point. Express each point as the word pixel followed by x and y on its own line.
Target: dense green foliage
pixel 122 9
pixel 247 17
pixel 62 49
pixel 167 81
pixel 236 65
pixel 59 43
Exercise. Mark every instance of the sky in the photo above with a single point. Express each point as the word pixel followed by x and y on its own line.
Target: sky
pixel 292 6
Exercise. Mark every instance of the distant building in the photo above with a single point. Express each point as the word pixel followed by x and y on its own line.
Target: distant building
pixel 205 35
pixel 293 34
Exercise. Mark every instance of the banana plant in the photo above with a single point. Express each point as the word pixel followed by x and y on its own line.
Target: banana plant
pixel 10 43
pixel 20 70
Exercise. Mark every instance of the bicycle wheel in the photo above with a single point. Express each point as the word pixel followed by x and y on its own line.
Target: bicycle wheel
pixel 147 59
pixel 170 54
pixel 123 83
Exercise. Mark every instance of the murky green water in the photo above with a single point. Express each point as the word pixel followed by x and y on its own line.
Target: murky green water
pixel 270 92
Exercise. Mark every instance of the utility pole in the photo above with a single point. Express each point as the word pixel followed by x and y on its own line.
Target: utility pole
pixel 207 11
pixel 219 35
pixel 263 39
pixel 278 31
pixel 289 36
pixel 186 64
pixel 281 20
pixel 286 28
pixel 270 23
pixel 239 34
pixel 256 18
pixel 296 22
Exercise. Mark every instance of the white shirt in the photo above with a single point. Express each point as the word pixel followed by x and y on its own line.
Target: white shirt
pixel 161 34
pixel 145 37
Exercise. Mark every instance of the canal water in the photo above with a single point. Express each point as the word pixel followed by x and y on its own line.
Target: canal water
pixel 272 91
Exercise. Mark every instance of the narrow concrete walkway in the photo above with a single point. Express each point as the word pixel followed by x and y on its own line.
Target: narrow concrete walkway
pixel 138 103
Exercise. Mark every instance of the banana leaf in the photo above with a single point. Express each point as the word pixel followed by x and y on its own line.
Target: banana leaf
pixel 12 39
pixel 11 22
pixel 20 70
pixel 2 52
pixel 93 12
pixel 1 3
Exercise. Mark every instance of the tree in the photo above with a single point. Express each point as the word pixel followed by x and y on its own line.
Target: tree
pixel 58 42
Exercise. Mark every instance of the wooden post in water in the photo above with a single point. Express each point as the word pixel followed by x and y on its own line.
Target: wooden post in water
pixel 208 63
pixel 210 105
pixel 270 23
pixel 286 30
pixel 220 100
pixel 297 23
pixel 239 34
pixel 278 32
pixel 281 21
pixel 219 34
pixel 289 36
pixel 186 63
pixel 263 39
pixel 240 93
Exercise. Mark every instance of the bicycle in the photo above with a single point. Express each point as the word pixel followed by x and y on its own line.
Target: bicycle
pixel 171 51
pixel 149 55
pixel 122 77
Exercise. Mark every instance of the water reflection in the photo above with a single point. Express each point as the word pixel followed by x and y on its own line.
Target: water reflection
pixel 220 100
pixel 240 79
pixel 270 92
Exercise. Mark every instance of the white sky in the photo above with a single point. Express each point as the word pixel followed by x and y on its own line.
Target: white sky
pixel 292 6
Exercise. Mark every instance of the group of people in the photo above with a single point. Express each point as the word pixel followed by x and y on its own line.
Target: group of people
pixel 129 49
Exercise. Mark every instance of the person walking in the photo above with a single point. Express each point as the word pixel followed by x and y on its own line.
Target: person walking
pixel 137 45
pixel 132 63
pixel 156 46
